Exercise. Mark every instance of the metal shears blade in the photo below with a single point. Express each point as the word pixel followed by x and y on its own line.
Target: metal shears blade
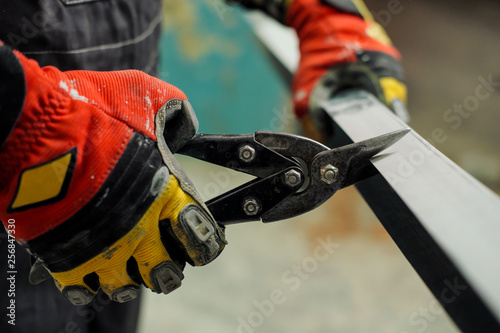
pixel 294 174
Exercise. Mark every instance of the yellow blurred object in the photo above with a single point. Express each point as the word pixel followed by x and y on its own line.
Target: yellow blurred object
pixel 393 89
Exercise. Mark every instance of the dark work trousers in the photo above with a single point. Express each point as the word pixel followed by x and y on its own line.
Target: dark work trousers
pixel 74 34
pixel 43 309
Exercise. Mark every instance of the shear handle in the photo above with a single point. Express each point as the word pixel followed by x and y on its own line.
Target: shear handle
pixel 239 152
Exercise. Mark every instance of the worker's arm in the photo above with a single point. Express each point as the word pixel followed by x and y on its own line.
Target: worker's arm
pixel 341 46
pixel 12 91
pixel 89 182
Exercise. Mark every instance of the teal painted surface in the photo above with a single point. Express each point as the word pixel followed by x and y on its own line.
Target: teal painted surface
pixel 214 58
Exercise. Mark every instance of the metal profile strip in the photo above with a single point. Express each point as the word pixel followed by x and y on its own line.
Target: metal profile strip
pixel 443 220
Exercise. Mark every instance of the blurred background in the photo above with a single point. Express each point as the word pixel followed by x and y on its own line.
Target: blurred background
pixel 334 269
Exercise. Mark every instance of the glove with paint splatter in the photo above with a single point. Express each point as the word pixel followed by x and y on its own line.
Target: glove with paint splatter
pixel 341 47
pixel 88 175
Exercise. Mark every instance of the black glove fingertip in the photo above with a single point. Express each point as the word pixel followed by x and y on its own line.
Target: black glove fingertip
pixel 166 277
pixel 78 295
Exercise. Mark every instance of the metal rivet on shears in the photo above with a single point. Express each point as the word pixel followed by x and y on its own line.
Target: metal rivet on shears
pixel 293 178
pixel 251 206
pixel 247 153
pixel 329 174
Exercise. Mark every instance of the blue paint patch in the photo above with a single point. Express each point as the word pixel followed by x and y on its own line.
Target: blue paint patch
pixel 231 84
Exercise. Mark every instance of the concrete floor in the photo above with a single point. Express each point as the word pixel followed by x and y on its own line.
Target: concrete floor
pixel 270 280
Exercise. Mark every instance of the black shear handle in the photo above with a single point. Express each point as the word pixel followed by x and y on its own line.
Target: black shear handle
pixel 252 200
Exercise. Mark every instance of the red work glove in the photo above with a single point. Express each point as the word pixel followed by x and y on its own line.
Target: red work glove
pixel 90 183
pixel 339 38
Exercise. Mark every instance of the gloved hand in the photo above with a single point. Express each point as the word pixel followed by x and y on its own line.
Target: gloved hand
pixel 341 47
pixel 89 179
